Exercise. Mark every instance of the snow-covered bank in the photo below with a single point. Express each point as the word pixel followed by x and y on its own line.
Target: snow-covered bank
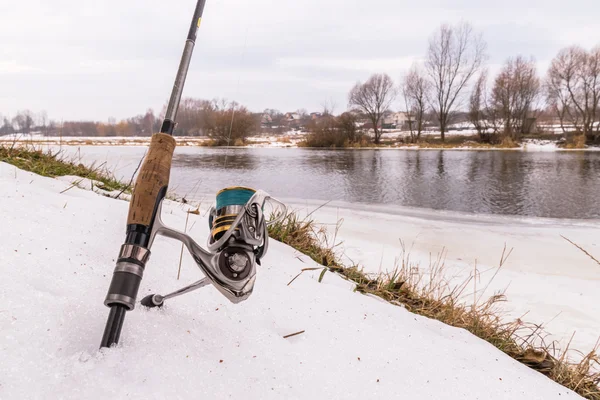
pixel 56 258
pixel 545 276
pixel 266 141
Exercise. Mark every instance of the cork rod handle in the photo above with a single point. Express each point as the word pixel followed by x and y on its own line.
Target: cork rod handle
pixel 152 178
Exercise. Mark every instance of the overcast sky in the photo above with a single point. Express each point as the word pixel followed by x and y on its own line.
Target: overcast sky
pixel 91 59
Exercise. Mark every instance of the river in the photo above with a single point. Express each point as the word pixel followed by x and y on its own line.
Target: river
pixel 540 184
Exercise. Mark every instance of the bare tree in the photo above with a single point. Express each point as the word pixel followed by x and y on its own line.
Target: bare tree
pixel 192 116
pixel 328 106
pixel 230 124
pixel 478 114
pixel 373 98
pixel 573 88
pixel 454 55
pixel 416 91
pixel 347 125
pixel 330 131
pixel 42 121
pixel 7 127
pixel 514 95
pixel 24 121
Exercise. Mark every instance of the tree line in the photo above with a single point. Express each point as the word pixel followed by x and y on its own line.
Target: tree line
pixel 224 122
pixel 453 78
pixel 27 122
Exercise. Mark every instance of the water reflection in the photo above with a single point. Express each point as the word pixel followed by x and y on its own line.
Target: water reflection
pixel 540 184
pixel 233 160
pixel 546 184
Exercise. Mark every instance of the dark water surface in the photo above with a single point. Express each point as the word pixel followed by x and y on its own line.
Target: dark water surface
pixel 544 184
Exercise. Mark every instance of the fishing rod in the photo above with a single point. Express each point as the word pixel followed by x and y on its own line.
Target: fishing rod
pixel 238 239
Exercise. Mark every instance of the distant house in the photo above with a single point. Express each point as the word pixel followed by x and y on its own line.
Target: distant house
pixel 292 117
pixel 266 121
pixel 395 120
pixel 315 115
pixel 293 120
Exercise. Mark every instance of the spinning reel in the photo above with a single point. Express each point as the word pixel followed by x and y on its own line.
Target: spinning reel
pixel 238 240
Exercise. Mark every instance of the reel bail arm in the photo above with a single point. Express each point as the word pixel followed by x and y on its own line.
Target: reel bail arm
pixel 230 263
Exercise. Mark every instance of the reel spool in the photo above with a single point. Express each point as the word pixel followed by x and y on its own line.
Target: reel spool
pixel 230 202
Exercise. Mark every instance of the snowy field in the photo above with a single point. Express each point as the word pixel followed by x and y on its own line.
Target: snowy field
pixel 57 254
pixel 546 279
pixel 37 139
pixel 290 139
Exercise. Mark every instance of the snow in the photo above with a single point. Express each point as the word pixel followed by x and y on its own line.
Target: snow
pixel 290 139
pixel 57 255
pixel 545 277
pixel 39 139
pixel 539 145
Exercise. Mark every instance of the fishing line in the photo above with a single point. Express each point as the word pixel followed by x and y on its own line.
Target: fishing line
pixel 237 90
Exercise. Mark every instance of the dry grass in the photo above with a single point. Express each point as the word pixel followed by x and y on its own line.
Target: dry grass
pixel 572 141
pixel 575 142
pixel 471 142
pixel 431 295
pixel 47 163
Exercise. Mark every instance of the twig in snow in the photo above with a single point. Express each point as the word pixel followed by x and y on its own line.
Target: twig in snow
pixel 131 180
pixel 318 208
pixel 181 252
pixel 293 334
pixel 304 269
pixel 72 186
pixel 503 259
pixel 582 249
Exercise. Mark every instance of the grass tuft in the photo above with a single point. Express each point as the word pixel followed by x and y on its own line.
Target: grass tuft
pixel 51 164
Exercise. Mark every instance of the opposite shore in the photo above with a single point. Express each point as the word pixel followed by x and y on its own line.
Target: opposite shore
pixel 295 141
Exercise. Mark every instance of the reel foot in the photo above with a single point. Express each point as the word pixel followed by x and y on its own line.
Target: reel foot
pixel 153 300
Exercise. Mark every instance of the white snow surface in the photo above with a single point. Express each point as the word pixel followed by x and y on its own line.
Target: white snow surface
pixel 546 279
pixel 56 259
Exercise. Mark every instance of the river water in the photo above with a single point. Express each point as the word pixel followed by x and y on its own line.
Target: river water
pixel 542 184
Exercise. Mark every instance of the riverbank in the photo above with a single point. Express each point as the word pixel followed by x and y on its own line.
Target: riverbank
pixel 369 224
pixel 292 141
pixel 52 331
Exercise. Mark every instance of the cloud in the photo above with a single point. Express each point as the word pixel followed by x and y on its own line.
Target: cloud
pixel 15 67
pixel 95 59
pixel 354 64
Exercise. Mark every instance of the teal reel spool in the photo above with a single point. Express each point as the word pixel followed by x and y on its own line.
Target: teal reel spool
pixel 230 202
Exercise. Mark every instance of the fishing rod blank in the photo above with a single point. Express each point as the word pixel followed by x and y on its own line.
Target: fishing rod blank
pixel 150 188
pixel 238 239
